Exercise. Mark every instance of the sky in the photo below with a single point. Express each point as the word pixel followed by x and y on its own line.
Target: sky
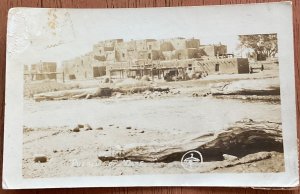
pixel 62 34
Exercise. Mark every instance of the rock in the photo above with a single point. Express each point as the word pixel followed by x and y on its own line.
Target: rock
pixel 55 133
pixel 99 128
pixel 89 96
pixel 229 157
pixel 103 92
pixel 40 158
pixel 76 129
pixel 111 125
pixel 128 127
pixel 106 80
pixel 147 92
pixel 87 127
pixel 80 125
pixel 118 95
pixel 54 151
pixel 27 129
pixel 198 75
pixel 142 132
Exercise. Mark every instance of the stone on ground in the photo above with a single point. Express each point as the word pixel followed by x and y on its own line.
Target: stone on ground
pixel 229 157
pixel 76 129
pixel 40 158
pixel 87 127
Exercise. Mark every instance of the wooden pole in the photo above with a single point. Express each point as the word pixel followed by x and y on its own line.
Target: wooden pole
pixel 109 75
pixel 152 74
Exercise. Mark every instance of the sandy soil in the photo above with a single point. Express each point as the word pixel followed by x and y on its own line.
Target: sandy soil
pixel 146 117
pixel 75 154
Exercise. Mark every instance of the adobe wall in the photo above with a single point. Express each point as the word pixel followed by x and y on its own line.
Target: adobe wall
pixel 226 66
pixel 214 50
pixel 192 43
pixel 81 67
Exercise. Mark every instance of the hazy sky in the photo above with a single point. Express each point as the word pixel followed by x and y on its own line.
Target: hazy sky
pixel 61 34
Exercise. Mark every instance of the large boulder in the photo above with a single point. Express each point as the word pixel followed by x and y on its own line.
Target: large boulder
pixel 240 139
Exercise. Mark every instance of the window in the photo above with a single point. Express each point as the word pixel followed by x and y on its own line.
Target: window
pixel 149 55
pixel 123 54
pixel 150 47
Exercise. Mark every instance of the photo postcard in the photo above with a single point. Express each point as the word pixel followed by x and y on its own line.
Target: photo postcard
pixel 182 96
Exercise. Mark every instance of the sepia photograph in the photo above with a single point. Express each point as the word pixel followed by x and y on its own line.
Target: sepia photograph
pixel 137 106
pixel 146 98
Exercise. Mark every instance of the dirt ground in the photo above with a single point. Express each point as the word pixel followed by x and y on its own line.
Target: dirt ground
pixel 75 154
pixel 159 117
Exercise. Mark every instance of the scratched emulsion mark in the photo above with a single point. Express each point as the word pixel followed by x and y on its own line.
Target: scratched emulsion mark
pixel 52 20
pixel 60 26
pixel 32 31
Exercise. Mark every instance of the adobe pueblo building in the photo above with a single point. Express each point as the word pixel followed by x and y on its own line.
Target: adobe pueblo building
pixel 40 71
pixel 176 58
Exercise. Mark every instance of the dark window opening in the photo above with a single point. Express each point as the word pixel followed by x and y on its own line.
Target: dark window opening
pixel 217 67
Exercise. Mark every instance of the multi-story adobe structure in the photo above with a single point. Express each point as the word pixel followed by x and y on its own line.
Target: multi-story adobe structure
pixel 149 56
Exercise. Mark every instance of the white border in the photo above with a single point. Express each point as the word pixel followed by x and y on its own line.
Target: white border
pixel 249 19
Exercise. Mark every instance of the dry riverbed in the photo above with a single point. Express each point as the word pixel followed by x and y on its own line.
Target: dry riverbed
pixel 77 153
pixel 76 132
